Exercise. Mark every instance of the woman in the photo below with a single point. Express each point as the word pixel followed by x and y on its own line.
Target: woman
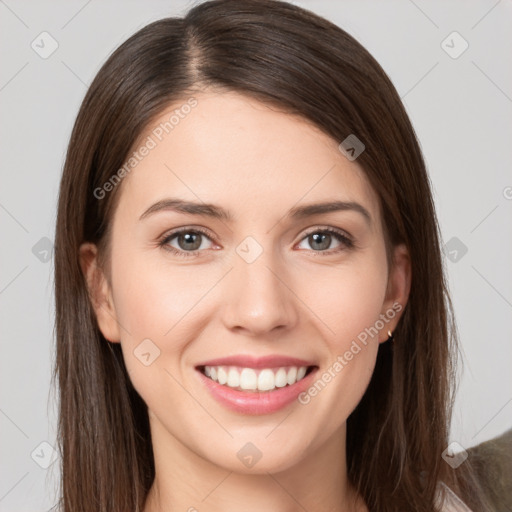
pixel 251 307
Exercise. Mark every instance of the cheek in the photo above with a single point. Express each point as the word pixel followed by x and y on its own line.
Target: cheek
pixel 348 299
pixel 160 311
pixel 151 300
pixel 153 306
pixel 349 306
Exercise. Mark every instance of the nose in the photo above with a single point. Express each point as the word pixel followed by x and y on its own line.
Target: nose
pixel 259 299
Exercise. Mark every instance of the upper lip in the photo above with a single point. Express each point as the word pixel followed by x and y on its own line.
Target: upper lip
pixel 246 361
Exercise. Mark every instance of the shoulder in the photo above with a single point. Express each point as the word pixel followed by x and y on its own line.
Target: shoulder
pixel 448 501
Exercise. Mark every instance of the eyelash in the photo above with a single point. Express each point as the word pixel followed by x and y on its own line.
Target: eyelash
pixel 339 235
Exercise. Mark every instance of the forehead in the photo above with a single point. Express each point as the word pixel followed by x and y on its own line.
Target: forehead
pixel 244 155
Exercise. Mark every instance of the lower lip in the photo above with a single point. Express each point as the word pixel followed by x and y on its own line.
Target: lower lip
pixel 259 402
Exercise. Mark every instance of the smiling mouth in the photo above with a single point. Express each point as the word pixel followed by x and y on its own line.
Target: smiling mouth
pixel 256 379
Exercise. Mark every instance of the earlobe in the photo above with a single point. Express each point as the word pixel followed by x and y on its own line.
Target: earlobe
pixel 100 293
pixel 398 289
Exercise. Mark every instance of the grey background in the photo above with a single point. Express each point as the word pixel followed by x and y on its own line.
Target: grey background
pixel 460 108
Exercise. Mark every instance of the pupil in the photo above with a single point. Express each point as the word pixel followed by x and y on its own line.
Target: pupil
pixel 192 241
pixel 322 239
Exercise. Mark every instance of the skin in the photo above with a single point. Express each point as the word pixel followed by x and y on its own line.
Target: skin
pixel 293 300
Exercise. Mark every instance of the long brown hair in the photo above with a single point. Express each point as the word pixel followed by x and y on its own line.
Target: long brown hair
pixel 289 57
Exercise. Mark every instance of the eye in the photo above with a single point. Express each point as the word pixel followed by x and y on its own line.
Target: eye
pixel 320 240
pixel 186 242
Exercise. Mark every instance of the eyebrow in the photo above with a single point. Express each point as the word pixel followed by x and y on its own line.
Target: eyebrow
pixel 216 212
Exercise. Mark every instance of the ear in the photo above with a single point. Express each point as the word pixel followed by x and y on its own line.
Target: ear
pixel 398 289
pixel 100 293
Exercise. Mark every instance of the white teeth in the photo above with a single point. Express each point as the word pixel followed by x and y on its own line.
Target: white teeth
pixel 280 378
pixel 233 378
pixel 266 380
pixel 291 377
pixel 249 379
pixel 222 376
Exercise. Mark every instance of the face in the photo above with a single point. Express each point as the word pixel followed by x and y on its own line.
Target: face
pixel 252 285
